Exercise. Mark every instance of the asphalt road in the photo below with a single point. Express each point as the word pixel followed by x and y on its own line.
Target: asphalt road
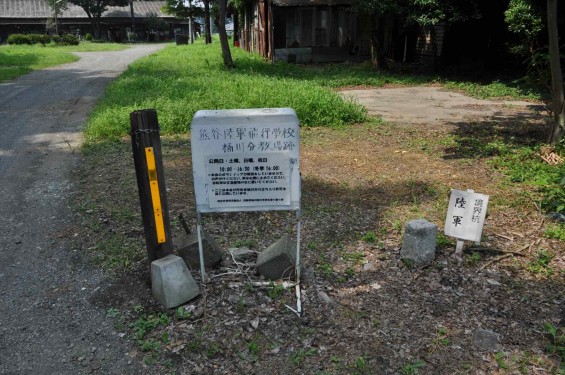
pixel 48 323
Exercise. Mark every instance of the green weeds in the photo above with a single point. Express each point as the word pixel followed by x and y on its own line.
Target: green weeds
pixel 473 259
pixel 556 231
pixel 369 237
pixel 500 358
pixel 514 90
pixel 300 355
pixel 181 313
pixel 557 341
pixel 275 290
pixel 248 243
pixel 412 368
pixel 540 264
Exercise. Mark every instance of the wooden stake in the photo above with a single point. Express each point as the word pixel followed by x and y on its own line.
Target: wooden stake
pixel 145 133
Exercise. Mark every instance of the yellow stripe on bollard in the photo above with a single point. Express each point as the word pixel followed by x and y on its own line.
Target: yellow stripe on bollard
pixel 155 196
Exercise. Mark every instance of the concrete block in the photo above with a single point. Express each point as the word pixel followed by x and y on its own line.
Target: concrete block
pixel 189 251
pixel 278 260
pixel 419 243
pixel 171 282
pixel 486 340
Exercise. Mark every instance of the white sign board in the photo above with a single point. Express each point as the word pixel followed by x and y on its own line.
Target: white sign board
pixel 246 160
pixel 466 215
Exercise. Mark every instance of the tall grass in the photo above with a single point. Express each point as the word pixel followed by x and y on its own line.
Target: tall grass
pixel 180 80
pixel 17 60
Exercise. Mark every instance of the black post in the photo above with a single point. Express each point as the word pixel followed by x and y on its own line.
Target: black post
pixel 144 134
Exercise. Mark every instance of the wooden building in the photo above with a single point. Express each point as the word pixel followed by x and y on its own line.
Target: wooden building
pixel 304 30
pixel 312 31
pixel 31 16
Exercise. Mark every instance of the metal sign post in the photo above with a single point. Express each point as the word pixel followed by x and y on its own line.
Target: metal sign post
pixel 246 160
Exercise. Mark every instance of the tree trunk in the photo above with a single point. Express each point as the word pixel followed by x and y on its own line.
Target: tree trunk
pixel 556 75
pixel 132 19
pixel 378 59
pixel 207 28
pixel 221 23
pixel 433 40
pixel 96 28
pixel 235 27
pixel 190 23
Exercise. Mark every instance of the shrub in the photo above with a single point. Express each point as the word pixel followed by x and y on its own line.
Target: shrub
pixel 19 39
pixel 40 38
pixel 29 39
pixel 68 40
pixel 88 37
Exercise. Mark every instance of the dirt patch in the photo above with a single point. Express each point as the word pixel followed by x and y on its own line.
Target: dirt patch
pixel 365 311
pixel 434 105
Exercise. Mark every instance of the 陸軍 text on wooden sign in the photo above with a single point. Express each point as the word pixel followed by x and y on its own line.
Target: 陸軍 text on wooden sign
pixel 466 215
pixel 246 160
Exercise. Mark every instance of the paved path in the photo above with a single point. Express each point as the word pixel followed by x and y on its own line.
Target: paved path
pixel 47 323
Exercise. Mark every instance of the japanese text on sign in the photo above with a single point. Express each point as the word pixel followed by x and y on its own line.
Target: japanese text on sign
pixel 244 180
pixel 251 139
pixel 246 160
pixel 466 215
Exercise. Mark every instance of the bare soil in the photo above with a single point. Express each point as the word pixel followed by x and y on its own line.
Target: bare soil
pixel 365 312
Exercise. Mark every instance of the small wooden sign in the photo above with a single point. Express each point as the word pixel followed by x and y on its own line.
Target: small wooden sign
pixel 466 215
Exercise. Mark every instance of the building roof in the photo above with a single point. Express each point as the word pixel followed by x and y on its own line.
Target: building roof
pixel 41 9
pixel 288 3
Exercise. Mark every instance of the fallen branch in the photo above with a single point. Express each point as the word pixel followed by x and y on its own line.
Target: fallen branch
pixel 284 284
pixel 503 236
pixel 494 261
pixel 501 251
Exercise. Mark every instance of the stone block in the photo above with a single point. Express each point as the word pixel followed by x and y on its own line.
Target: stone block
pixel 278 260
pixel 189 251
pixel 487 340
pixel 243 254
pixel 171 282
pixel 419 243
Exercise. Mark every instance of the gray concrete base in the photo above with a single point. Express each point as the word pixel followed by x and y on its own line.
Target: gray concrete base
pixel 419 243
pixel 171 282
pixel 278 260
pixel 189 251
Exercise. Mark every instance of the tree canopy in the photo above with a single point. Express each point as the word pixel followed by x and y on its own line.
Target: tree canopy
pixel 95 8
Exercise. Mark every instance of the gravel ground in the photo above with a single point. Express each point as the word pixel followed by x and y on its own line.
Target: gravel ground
pixel 48 323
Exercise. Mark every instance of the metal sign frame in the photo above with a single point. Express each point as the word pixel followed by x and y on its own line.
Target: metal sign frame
pixel 218 136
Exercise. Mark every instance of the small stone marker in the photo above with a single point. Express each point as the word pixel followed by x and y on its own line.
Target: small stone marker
pixel 171 282
pixel 487 340
pixel 278 260
pixel 419 243
pixel 189 252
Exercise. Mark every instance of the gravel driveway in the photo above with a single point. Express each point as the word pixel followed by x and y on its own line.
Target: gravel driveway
pixel 48 323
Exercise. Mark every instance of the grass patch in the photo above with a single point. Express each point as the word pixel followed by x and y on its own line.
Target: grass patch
pixel 17 60
pixel 523 164
pixel 180 80
pixel 497 89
